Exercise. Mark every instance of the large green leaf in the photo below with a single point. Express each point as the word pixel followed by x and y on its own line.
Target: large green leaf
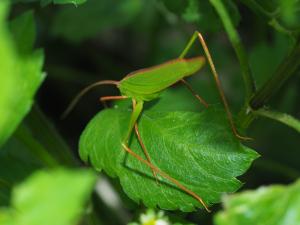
pixel 20 70
pixel 274 205
pixel 23 32
pixel 50 197
pixel 197 149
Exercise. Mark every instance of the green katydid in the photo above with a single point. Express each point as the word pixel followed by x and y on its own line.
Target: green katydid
pixel 146 85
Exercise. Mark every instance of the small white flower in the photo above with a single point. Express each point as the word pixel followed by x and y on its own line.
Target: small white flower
pixel 161 222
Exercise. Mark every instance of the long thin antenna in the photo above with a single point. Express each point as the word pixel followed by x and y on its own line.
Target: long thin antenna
pixel 83 92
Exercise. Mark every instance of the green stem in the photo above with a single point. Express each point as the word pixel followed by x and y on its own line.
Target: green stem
pixel 285 70
pixel 23 135
pixel 271 18
pixel 281 117
pixel 258 8
pixel 238 47
pixel 49 138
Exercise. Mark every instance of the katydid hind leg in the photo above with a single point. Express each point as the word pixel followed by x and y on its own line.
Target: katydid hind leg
pixel 166 176
pixel 198 35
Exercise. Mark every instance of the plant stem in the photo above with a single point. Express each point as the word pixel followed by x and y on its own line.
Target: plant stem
pixel 281 117
pixel 23 135
pixel 47 135
pixel 258 8
pixel 285 70
pixel 270 17
pixel 238 47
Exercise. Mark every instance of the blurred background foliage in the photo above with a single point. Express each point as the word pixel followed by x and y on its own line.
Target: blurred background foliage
pixel 106 39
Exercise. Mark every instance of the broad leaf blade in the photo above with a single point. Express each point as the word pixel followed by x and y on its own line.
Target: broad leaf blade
pixel 50 197
pixel 197 149
pixel 274 205
pixel 23 32
pixel 21 74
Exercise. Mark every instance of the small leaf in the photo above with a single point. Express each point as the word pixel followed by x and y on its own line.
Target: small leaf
pixel 273 205
pixel 191 13
pixel 197 149
pixel 21 74
pixel 50 197
pixel 264 58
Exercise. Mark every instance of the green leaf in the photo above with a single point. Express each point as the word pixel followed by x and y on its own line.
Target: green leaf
pixel 44 133
pixel 197 149
pixel 273 205
pixel 21 74
pixel 290 12
pixel 78 24
pixel 191 13
pixel 50 197
pixel 264 58
pixel 23 32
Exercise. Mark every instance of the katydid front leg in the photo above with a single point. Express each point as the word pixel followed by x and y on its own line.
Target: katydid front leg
pixel 198 35
pixel 108 98
pixel 137 107
pixel 136 111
